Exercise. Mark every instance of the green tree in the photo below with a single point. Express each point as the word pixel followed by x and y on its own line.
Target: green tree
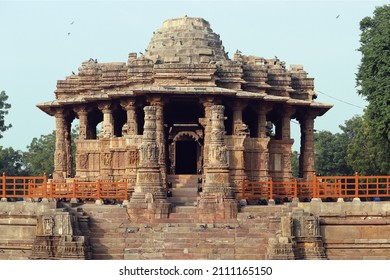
pixel 39 157
pixel 331 153
pixel 373 81
pixel 367 154
pixel 11 162
pixel 4 106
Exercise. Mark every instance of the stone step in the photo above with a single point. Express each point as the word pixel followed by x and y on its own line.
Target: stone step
pixel 182 201
pixel 185 209
pixel 185 192
pixel 185 185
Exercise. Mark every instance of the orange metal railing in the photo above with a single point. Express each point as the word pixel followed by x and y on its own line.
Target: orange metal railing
pixel 320 187
pixel 40 187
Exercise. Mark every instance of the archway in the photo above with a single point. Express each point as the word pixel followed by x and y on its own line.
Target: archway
pixel 186 153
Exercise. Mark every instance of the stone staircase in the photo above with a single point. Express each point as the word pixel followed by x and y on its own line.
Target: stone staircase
pixel 105 226
pixel 184 189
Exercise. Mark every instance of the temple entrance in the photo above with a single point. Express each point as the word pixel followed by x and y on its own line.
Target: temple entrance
pixel 186 159
pixel 185 152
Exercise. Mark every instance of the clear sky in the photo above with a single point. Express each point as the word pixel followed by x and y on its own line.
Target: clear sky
pixel 36 50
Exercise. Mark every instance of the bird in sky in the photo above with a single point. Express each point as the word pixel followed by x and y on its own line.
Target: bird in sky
pixel 72 22
pixel 68 33
pixel 73 73
pixel 338 16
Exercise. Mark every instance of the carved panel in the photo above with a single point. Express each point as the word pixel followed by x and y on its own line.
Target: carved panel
pixel 106 159
pixel 48 225
pixel 133 158
pixel 82 161
pixel 287 161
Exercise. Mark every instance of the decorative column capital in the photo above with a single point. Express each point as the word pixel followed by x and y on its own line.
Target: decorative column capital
pixel 265 107
pixel 306 115
pixel 81 110
pixel 59 112
pixel 288 111
pixel 239 105
pixel 106 108
pixel 207 101
pixel 156 101
pixel 129 103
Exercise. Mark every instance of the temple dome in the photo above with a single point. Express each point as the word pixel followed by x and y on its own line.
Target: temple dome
pixel 186 40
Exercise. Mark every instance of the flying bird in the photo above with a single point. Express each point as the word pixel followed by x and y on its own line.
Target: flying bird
pixel 68 33
pixel 338 16
pixel 72 22
pixel 73 73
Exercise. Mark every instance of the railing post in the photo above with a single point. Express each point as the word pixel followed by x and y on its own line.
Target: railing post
pixel 74 189
pixel 44 187
pixel 28 190
pixel 316 189
pixel 295 188
pixel 51 188
pixel 98 190
pixel 3 187
pixel 339 189
pixel 126 190
pixel 356 185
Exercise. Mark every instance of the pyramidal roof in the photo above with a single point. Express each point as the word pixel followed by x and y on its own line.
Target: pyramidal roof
pixel 187 40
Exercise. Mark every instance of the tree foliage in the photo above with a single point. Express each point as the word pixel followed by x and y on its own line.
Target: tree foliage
pixel 4 107
pixel 369 150
pixel 39 157
pixel 331 153
pixel 11 162
pixel 366 153
pixel 295 164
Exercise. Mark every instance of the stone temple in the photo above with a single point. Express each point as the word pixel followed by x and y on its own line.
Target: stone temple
pixel 184 114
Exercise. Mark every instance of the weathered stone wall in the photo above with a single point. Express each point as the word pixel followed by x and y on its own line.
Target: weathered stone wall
pixel 316 230
pixel 353 230
pixel 30 230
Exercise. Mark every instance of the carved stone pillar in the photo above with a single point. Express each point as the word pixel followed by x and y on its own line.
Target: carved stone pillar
pixel 130 106
pixel 158 103
pixel 262 121
pixel 286 122
pixel 306 158
pixel 149 200
pixel 206 123
pixel 60 158
pixel 263 110
pixel 237 117
pixel 217 198
pixel 82 113
pixel 68 148
pixel 108 120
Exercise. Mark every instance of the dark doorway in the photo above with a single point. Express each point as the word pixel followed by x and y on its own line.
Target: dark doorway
pixel 186 157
